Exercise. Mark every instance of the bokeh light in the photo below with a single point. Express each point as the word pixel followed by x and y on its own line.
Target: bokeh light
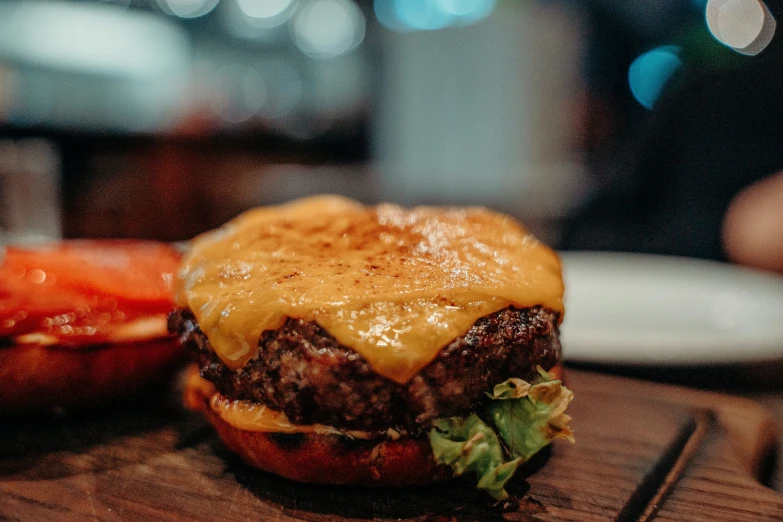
pixel 92 65
pixel 385 12
pixel 187 8
pixel 650 72
pixel 240 25
pixel 428 15
pixel 328 28
pixel 90 38
pixel 464 12
pixel 746 26
pixel 423 15
pixel 266 13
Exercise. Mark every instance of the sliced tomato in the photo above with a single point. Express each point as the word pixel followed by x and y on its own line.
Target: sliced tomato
pixel 84 289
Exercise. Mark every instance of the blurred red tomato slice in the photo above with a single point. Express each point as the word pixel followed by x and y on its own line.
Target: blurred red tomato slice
pixel 82 290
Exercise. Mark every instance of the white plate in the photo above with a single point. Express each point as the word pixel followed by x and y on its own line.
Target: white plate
pixel 641 309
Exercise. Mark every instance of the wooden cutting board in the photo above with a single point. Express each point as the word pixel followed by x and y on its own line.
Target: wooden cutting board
pixel 644 451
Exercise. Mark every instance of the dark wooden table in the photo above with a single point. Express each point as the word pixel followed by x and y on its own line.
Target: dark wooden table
pixel 644 452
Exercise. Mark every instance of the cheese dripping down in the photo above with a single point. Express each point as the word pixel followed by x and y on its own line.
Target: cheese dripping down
pixel 394 284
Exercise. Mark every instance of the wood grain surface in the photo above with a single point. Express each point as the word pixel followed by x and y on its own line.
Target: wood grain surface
pixel 643 452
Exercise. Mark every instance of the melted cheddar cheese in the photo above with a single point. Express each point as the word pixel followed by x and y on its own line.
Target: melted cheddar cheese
pixel 394 284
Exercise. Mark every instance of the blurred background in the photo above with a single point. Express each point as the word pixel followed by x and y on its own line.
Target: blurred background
pixel 603 124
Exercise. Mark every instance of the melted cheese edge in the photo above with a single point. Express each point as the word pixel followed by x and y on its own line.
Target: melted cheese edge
pixel 394 284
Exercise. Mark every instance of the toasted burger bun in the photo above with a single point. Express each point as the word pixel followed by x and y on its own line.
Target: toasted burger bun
pixel 36 377
pixel 322 458
pixel 334 459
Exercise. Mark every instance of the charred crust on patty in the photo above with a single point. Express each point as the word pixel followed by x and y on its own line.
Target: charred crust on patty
pixel 301 370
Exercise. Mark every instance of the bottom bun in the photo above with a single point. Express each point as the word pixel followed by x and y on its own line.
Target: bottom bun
pixel 322 458
pixel 36 378
pixel 334 459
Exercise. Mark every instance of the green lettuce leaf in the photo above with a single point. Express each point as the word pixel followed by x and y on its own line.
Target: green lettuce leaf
pixel 511 389
pixel 525 416
pixel 529 422
pixel 467 444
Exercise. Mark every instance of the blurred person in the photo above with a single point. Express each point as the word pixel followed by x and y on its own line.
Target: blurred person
pixel 692 178
pixel 753 226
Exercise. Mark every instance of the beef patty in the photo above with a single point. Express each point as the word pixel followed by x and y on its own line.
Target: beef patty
pixel 302 370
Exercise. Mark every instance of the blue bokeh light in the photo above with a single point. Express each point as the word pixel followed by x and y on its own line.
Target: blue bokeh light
pixel 428 15
pixel 423 15
pixel 464 12
pixel 650 72
pixel 386 13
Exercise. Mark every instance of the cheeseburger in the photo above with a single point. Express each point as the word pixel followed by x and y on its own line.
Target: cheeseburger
pixel 344 344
